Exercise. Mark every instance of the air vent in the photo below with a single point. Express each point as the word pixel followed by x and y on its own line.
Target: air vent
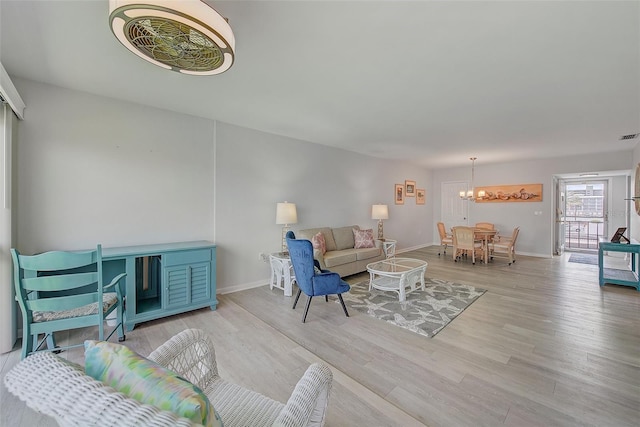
pixel 631 136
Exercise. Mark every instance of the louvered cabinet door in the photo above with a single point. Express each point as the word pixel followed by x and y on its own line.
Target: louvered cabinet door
pixel 187 284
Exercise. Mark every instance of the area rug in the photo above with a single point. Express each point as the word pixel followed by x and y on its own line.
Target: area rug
pixel 584 259
pixel 424 312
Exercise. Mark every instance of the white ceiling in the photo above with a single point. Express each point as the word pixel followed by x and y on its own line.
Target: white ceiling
pixel 432 82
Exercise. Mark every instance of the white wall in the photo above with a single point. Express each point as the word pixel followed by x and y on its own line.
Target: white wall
pixel 94 169
pixel 330 187
pixel 536 231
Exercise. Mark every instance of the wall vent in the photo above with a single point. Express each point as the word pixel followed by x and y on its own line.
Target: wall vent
pixel 630 136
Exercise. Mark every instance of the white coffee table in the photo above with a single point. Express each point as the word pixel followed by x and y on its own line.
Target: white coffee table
pixel 396 274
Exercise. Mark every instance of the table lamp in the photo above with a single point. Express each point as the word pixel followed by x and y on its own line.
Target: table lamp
pixel 380 212
pixel 286 214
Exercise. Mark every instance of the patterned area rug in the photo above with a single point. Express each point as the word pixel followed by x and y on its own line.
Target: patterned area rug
pixel 584 259
pixel 424 312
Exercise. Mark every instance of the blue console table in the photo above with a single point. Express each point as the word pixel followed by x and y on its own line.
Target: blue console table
pixel 163 279
pixel 628 277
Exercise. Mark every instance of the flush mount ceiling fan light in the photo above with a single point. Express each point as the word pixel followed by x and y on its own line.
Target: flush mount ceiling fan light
pixel 186 36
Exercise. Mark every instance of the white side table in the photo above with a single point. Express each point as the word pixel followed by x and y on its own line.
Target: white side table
pixel 388 247
pixel 282 276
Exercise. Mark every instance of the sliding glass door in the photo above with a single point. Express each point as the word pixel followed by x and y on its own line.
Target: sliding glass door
pixel 585 214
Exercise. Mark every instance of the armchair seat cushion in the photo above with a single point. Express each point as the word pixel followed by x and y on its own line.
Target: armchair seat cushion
pixel 109 299
pixel 238 406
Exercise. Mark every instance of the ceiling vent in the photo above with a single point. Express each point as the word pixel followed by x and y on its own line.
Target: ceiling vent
pixel 630 136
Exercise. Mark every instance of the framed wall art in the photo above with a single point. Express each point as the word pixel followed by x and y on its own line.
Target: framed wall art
pixel 410 188
pixel 420 196
pixel 399 194
pixel 509 193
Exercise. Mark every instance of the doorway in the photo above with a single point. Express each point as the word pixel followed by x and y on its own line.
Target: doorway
pixel 583 218
pixel 453 210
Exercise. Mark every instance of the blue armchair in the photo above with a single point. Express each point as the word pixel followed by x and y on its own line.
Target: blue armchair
pixel 308 279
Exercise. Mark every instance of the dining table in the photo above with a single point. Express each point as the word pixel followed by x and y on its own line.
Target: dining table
pixel 485 235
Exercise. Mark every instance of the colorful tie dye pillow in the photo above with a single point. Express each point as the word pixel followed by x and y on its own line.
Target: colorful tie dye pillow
pixel 147 382
pixel 363 238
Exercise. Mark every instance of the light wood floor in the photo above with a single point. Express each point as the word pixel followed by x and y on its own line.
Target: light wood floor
pixel 545 346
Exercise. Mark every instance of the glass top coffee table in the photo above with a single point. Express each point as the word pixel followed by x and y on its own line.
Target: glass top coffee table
pixel 396 274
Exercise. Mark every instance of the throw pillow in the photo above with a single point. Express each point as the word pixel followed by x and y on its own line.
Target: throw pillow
pixel 318 242
pixel 363 238
pixel 147 382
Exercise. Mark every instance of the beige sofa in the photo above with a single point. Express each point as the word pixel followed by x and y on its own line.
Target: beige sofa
pixel 341 257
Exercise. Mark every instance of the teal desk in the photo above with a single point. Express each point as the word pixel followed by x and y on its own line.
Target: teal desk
pixel 618 276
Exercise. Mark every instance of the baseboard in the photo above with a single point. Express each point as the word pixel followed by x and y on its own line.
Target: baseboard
pixel 413 248
pixel 242 287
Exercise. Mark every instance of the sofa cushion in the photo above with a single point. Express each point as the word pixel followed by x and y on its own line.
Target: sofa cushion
pixel 326 231
pixel 147 382
pixel 334 258
pixel 362 254
pixel 319 243
pixel 343 237
pixel 363 238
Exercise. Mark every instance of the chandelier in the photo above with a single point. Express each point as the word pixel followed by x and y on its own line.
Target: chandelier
pixel 470 194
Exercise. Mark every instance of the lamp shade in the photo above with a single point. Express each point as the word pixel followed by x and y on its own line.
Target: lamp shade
pixel 379 212
pixel 286 213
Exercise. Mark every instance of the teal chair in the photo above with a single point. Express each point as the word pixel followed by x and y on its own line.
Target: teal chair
pixel 59 291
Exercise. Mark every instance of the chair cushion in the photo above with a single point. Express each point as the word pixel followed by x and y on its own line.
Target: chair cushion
pixel 147 382
pixel 319 242
pixel 109 299
pixel 239 406
pixel 343 237
pixel 363 238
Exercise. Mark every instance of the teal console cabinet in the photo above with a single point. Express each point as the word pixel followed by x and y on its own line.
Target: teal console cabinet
pixel 164 279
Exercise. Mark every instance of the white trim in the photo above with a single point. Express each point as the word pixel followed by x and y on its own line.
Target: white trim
pixel 10 94
pixel 242 287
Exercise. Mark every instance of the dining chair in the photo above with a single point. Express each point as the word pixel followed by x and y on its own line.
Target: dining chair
pixel 464 242
pixel 446 239
pixel 310 278
pixel 59 291
pixel 504 246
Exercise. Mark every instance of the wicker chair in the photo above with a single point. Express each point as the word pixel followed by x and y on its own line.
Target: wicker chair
pixel 60 389
pixel 446 239
pixel 505 246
